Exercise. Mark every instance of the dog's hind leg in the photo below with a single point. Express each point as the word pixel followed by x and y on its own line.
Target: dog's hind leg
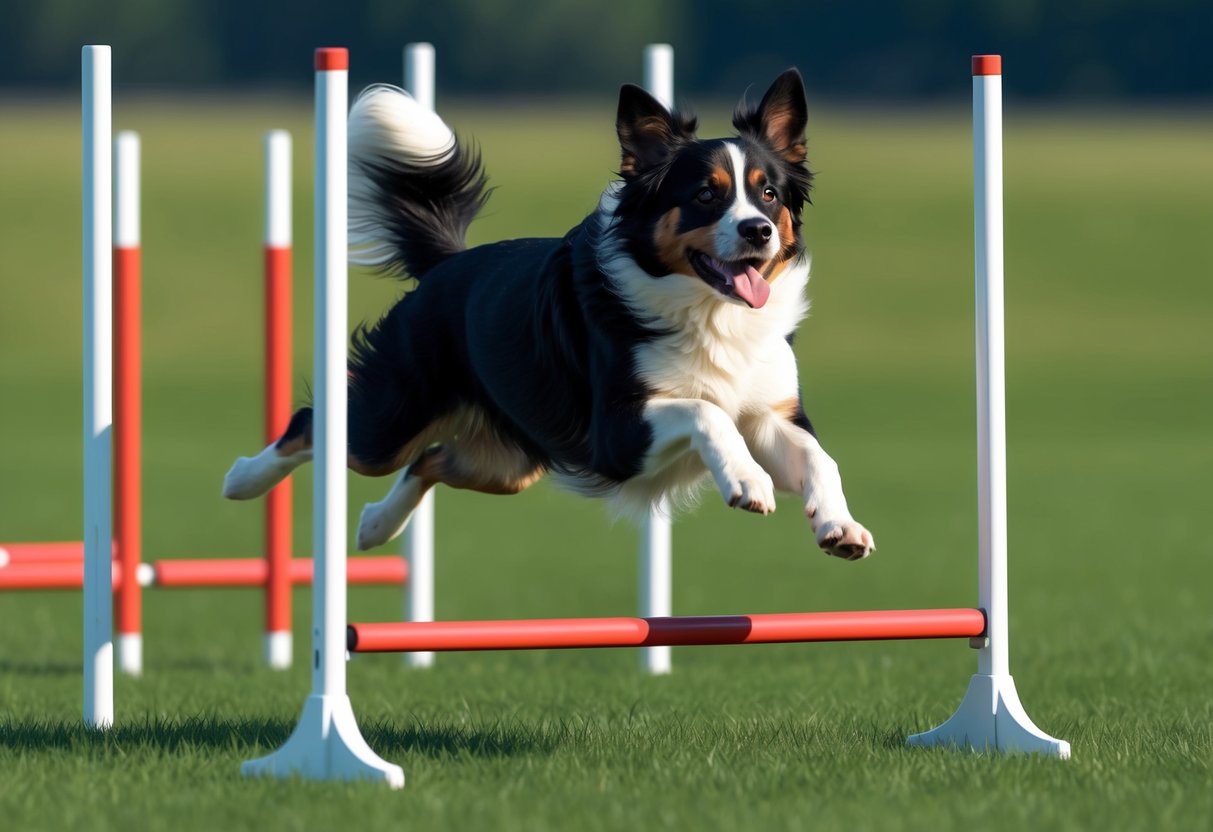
pixel 250 477
pixel 477 462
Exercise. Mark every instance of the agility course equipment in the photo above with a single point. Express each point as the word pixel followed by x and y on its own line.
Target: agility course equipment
pixel 656 536
pixel 106 563
pixel 326 743
pixel 419 534
pixel 98 371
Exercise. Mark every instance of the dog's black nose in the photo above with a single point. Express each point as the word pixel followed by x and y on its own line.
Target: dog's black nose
pixel 755 232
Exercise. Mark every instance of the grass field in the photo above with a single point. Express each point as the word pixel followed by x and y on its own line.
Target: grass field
pixel 1110 306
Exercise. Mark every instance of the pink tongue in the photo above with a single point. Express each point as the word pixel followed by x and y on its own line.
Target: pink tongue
pixel 751 288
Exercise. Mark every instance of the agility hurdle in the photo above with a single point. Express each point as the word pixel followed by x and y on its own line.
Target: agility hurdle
pixel 326 743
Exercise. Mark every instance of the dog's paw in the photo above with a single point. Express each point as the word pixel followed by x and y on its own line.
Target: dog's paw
pixel 749 487
pixel 247 479
pixel 379 523
pixel 848 540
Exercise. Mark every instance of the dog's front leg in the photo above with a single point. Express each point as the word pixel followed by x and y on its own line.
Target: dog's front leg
pixel 682 425
pixel 801 466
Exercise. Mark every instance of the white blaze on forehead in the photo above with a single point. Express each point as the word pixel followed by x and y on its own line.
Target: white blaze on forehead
pixel 728 238
pixel 741 208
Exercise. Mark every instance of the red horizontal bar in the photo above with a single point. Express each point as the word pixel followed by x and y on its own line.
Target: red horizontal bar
pixel 219 572
pixel 555 633
pixel 66 550
pixel 48 575
pixel 215 572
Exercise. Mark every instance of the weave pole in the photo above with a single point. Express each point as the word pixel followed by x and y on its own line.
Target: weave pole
pixel 278 644
pixel 98 378
pixel 656 538
pixel 419 534
pixel 990 716
pixel 128 392
pixel 326 744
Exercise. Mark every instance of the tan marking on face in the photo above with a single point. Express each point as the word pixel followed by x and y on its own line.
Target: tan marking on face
pixel 720 179
pixel 672 246
pixel 787 237
pixel 756 177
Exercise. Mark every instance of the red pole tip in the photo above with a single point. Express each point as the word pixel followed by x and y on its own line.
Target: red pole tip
pixel 987 64
pixel 332 57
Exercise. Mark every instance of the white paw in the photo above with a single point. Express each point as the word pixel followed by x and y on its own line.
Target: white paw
pixel 246 479
pixel 750 488
pixel 379 523
pixel 847 540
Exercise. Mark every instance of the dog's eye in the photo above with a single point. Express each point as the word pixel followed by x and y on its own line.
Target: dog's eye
pixel 705 196
pixel 769 195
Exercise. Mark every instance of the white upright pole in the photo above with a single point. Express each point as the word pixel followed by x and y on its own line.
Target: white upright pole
pixel 326 744
pixel 419 73
pixel 991 716
pixel 656 542
pixel 419 536
pixel 98 388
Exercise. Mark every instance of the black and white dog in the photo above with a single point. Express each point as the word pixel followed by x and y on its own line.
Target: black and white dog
pixel 647 348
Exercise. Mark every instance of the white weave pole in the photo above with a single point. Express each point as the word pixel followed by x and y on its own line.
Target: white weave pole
pixel 98 387
pixel 656 541
pixel 326 744
pixel 990 716
pixel 419 535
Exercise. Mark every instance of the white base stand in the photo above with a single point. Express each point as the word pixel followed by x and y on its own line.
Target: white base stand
pixel 991 718
pixel 130 653
pixel 326 745
pixel 278 649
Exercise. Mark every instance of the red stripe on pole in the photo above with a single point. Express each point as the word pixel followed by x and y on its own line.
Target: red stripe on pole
pixel 128 426
pixel 51 575
pixel 332 57
pixel 987 64
pixel 277 416
pixel 556 633
pixel 254 572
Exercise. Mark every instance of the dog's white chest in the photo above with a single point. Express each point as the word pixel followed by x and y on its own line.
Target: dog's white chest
pixel 724 359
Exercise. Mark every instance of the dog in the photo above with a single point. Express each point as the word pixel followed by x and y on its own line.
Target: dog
pixel 643 352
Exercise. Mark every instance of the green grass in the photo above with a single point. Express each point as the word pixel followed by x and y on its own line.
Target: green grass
pixel 1110 405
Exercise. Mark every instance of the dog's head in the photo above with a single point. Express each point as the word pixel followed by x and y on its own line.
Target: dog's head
pixel 723 211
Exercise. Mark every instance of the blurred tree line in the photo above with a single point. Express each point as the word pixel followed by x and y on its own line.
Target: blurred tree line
pixel 858 49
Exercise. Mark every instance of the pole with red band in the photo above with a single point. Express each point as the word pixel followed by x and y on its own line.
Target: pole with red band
pixel 278 642
pixel 128 392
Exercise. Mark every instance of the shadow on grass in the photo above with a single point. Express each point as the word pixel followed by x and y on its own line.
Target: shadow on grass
pixel 42 668
pixel 458 740
pixel 255 736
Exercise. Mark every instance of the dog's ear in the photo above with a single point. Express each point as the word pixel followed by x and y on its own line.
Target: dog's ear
pixel 781 117
pixel 648 132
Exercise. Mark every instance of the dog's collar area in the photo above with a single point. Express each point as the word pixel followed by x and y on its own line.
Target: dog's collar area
pixel 734 279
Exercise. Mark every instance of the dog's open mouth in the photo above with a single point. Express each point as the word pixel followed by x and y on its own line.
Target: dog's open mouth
pixel 737 279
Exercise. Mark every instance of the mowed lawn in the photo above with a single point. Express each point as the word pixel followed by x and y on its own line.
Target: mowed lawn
pixel 1110 410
